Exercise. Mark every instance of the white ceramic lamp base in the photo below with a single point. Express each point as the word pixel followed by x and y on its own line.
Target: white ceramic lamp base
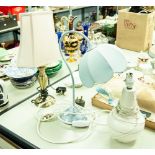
pixel 126 121
pixel 125 129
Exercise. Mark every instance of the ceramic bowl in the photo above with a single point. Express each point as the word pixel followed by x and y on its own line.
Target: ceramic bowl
pixel 17 73
pixel 21 85
pixel 22 80
pixel 52 70
pixel 21 77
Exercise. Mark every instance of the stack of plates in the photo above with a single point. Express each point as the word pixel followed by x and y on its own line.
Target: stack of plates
pixel 52 69
pixel 6 55
pixel 21 77
pixel 3 53
pixel 2 74
pixel 24 84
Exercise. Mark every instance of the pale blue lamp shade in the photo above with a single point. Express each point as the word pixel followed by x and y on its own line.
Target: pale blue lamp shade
pixel 99 64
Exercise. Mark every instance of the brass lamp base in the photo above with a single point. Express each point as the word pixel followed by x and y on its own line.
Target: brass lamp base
pixel 44 102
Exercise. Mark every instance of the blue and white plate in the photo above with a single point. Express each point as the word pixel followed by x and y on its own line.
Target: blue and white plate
pixel 16 72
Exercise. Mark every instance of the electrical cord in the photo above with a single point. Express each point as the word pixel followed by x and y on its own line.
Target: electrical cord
pixel 98 116
pixel 50 116
pixel 82 137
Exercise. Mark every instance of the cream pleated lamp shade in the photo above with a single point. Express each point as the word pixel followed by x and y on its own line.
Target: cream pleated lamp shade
pixel 38 41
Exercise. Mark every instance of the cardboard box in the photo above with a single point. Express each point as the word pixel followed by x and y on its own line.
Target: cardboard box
pixel 135 30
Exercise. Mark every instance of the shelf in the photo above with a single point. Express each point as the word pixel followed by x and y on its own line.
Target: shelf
pixel 10 29
pixel 73 8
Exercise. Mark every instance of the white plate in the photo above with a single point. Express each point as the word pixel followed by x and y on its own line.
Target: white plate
pixel 54 64
pixel 77 81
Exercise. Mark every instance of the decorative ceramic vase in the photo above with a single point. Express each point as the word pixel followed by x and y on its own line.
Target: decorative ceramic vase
pixel 84 46
pixel 125 129
pixel 59 34
pixel 71 41
pixel 86 26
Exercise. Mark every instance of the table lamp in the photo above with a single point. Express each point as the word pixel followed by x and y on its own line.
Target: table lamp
pixel 101 64
pixel 125 121
pixel 38 48
pixel 73 113
pixel 98 66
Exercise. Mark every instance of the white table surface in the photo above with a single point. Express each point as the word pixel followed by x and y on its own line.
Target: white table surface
pixel 21 120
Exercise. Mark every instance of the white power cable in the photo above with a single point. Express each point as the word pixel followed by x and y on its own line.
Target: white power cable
pixel 83 136
pixel 51 116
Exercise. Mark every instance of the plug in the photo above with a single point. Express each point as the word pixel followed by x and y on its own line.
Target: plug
pixel 80 101
pixel 61 90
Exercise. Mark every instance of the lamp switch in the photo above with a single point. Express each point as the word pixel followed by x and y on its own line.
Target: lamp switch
pixel 81 123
